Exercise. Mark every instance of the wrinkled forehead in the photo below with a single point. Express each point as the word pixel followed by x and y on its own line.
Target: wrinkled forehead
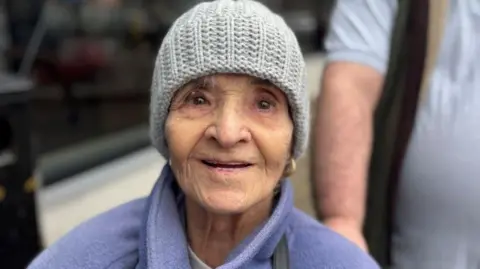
pixel 227 82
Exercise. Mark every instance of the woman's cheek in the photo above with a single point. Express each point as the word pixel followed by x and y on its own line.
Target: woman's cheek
pixel 274 141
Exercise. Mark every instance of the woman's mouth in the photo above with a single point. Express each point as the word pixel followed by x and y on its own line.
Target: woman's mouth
pixel 226 165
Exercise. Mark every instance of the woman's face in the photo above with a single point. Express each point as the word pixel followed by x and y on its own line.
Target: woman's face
pixel 229 139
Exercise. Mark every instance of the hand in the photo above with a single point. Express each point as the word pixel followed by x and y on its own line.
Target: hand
pixel 349 230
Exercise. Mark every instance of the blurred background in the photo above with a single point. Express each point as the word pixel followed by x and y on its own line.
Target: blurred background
pixel 74 90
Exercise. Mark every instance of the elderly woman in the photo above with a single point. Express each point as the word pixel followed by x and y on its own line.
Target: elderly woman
pixel 229 110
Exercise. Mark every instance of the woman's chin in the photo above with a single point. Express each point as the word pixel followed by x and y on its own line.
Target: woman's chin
pixel 220 204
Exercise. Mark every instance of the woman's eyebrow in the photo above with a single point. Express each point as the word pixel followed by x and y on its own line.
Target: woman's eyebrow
pixel 205 83
pixel 268 87
pixel 261 82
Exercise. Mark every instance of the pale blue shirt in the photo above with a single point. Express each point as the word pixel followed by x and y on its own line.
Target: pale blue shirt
pixel 438 216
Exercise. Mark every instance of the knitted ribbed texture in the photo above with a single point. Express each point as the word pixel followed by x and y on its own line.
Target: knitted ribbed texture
pixel 227 36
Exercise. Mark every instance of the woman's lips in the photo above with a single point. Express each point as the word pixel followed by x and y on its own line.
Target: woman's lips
pixel 226 165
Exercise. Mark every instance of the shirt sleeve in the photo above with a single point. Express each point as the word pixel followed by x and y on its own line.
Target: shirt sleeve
pixel 360 32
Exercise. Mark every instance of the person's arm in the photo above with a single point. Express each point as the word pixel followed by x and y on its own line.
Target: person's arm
pixel 343 143
pixel 357 45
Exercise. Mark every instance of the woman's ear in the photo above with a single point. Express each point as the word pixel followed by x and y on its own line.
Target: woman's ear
pixel 290 168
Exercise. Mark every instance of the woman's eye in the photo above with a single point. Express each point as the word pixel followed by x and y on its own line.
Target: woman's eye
pixel 264 105
pixel 197 99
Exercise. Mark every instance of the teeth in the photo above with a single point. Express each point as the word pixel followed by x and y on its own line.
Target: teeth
pixel 229 165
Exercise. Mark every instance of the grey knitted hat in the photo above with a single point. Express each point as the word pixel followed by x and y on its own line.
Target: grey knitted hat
pixel 228 36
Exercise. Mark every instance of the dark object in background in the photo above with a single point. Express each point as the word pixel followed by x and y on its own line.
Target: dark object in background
pixel 19 235
pixel 416 38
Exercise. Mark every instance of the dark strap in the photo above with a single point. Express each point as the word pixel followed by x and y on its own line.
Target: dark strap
pixel 280 259
pixel 385 120
pixel 394 118
pixel 416 43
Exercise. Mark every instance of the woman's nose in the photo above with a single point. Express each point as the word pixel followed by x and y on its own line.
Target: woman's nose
pixel 229 128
